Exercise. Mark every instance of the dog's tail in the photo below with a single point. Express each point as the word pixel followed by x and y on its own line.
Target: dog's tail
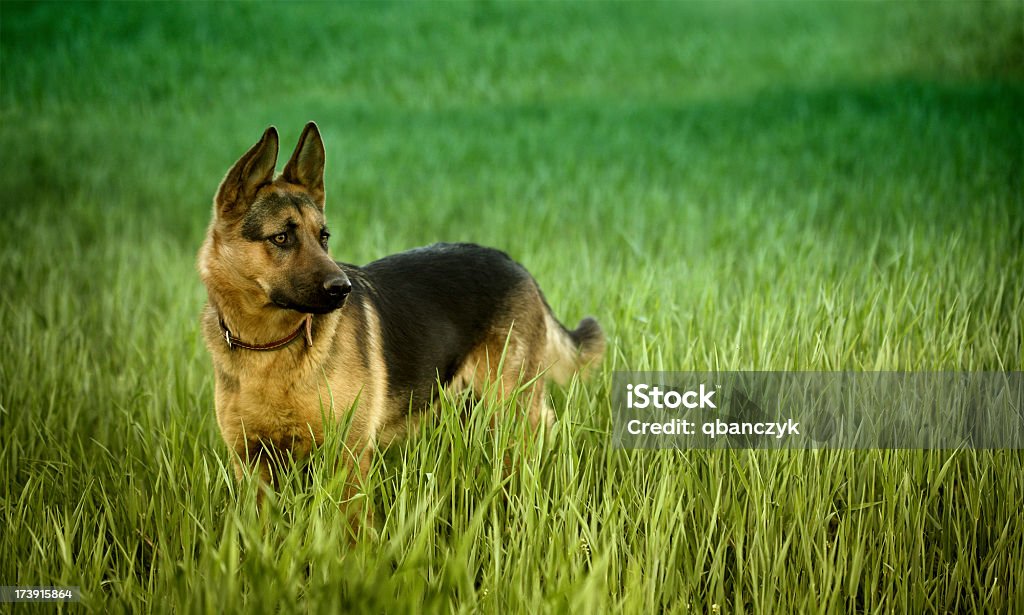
pixel 568 352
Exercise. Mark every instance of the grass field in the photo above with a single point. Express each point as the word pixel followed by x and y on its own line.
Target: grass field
pixel 791 186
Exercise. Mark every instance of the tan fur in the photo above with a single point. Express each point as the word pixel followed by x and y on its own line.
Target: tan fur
pixel 511 357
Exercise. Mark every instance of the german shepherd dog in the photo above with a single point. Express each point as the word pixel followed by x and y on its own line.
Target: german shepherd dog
pixel 297 338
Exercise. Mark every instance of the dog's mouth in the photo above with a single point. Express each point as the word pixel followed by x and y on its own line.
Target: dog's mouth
pixel 325 307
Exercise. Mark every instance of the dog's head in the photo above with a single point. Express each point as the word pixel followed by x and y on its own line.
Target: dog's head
pixel 268 238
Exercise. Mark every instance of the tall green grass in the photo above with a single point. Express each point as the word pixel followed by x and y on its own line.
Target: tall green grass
pixel 725 186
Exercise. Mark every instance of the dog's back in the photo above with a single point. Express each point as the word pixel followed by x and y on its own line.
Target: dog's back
pixel 447 305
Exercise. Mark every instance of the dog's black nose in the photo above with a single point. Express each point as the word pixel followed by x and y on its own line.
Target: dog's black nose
pixel 338 286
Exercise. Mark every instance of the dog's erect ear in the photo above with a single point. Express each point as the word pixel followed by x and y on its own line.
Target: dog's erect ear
pixel 253 170
pixel 306 166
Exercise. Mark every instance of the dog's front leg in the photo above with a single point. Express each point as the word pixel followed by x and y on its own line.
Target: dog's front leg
pixel 356 504
pixel 261 460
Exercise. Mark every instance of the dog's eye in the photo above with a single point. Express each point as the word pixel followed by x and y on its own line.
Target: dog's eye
pixel 324 236
pixel 280 239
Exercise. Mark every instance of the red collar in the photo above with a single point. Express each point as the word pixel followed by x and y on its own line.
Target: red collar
pixel 233 342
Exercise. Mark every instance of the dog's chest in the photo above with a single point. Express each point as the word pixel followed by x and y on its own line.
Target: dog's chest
pixel 266 407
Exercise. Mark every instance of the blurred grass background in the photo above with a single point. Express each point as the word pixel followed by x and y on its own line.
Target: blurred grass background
pixel 724 185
